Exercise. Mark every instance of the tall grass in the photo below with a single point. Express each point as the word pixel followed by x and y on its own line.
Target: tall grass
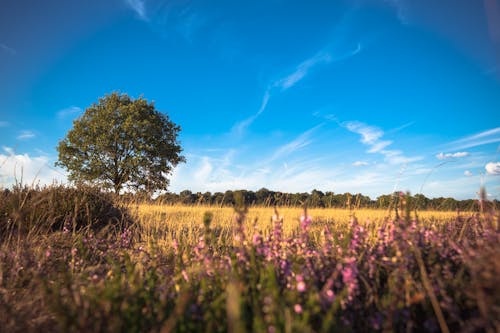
pixel 206 269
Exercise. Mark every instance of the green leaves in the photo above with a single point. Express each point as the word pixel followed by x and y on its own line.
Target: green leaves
pixel 120 142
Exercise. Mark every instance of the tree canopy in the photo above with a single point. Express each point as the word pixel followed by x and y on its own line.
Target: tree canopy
pixel 121 142
pixel 318 199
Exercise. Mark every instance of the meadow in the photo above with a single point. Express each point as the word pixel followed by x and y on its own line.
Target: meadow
pixel 78 260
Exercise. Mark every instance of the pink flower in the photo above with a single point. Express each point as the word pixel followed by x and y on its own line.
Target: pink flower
pixel 305 221
pixel 301 286
pixel 297 308
pixel 256 239
pixel 330 295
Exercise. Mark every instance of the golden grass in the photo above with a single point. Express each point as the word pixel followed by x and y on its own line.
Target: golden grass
pixel 162 223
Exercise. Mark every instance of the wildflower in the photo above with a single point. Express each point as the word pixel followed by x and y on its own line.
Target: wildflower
pixel 330 296
pixel 48 253
pixel 349 277
pixel 301 286
pixel 305 222
pixel 297 308
pixel 256 239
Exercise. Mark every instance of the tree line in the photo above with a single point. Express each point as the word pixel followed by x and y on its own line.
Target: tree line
pixel 316 199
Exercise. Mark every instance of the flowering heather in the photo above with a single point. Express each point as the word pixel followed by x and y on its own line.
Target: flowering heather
pixel 241 274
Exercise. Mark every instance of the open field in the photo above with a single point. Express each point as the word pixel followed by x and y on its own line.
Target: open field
pixel 76 261
pixel 166 220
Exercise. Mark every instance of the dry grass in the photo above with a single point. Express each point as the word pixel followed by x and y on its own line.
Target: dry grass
pixel 169 218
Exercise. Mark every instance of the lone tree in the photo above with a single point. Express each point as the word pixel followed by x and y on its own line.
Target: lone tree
pixel 121 142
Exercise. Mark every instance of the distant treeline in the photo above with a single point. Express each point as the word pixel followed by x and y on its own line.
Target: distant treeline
pixel 265 197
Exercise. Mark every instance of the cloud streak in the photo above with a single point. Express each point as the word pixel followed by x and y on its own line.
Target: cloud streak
pixel 478 139
pixel 70 111
pixel 298 143
pixel 371 136
pixel 25 135
pixel 443 156
pixel 288 81
pixel 138 6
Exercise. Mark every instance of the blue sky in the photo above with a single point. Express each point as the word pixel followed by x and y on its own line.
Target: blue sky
pixel 351 95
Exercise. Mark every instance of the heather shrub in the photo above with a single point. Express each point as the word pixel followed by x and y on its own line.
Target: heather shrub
pixel 25 210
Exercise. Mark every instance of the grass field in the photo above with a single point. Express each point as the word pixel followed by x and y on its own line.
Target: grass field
pixel 167 220
pixel 76 261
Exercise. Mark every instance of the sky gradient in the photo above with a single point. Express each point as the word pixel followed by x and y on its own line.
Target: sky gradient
pixel 365 96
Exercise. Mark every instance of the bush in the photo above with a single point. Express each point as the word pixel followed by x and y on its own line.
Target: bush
pixel 25 210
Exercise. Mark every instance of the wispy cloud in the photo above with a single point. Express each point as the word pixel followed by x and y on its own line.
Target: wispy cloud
pixel 138 6
pixel 288 81
pixel 493 168
pixel 7 49
pixel 371 136
pixel 403 11
pixel 240 127
pixel 360 163
pixel 467 173
pixel 301 71
pixel 25 135
pixel 70 111
pixel 4 124
pixel 299 142
pixel 444 156
pixel 478 139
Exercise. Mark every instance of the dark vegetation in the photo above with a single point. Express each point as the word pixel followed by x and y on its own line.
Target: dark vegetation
pixel 268 198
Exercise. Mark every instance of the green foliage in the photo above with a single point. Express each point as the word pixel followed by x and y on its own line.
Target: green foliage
pixel 315 199
pixel 120 142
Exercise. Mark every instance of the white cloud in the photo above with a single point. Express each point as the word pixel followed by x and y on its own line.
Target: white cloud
pixel 290 80
pixel 25 135
pixel 467 173
pixel 360 163
pixel 69 111
pixel 4 124
pixel 379 146
pixel 8 150
pixel 371 136
pixel 478 139
pixel 138 6
pixel 301 141
pixel 302 70
pixel 444 156
pixel 29 169
pixel 240 127
pixel 493 168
